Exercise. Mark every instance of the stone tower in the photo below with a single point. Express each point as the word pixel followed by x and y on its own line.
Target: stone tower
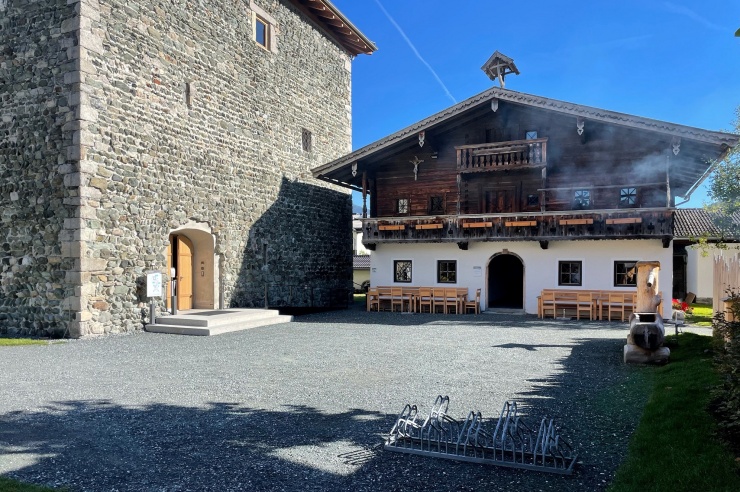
pixel 129 127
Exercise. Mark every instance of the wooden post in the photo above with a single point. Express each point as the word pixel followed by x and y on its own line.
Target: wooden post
pixel 459 183
pixel 543 193
pixel 364 194
pixel 647 286
pixel 668 180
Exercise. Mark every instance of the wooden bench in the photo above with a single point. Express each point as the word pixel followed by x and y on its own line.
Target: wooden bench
pixel 410 299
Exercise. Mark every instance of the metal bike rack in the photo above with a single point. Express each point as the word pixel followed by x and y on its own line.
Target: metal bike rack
pixel 512 443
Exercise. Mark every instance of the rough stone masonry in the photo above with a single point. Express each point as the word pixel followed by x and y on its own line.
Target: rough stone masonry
pixel 123 120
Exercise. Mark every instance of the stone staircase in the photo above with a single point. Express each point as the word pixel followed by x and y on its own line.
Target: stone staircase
pixel 215 322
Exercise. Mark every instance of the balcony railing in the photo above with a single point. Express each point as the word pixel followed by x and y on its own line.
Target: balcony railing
pixel 543 226
pixel 502 155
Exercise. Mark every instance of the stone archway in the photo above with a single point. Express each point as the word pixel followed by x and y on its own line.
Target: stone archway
pixel 505 281
pixel 191 252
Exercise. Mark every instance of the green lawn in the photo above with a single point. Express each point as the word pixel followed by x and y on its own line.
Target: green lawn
pixel 8 485
pixel 675 446
pixel 702 315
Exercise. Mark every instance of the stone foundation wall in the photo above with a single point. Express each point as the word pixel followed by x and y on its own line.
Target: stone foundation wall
pixel 124 120
pixel 37 104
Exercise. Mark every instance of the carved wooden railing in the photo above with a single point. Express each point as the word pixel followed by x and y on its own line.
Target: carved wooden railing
pixel 501 156
pixel 594 224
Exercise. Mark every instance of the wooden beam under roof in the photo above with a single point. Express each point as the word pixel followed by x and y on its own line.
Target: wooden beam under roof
pixel 326 15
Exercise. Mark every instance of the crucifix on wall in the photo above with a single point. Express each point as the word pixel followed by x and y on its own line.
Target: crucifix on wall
pixel 416 163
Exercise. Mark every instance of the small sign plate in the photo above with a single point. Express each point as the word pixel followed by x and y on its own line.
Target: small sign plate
pixel 153 283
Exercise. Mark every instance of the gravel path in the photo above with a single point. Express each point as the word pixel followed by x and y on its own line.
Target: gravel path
pixel 274 408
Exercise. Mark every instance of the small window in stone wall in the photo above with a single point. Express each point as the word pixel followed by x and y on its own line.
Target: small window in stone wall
pixel 306 140
pixel 262 32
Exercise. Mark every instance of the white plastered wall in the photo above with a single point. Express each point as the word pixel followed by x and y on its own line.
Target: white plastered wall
pixel 540 265
pixel 700 268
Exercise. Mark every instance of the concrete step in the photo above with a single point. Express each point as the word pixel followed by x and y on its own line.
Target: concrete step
pixel 214 317
pixel 216 323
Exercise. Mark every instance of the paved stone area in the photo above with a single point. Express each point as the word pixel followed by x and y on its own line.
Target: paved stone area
pixel 282 407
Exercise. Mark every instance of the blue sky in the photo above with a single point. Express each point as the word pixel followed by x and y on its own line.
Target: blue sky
pixel 674 60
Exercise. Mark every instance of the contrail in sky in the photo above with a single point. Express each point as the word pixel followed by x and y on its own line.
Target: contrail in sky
pixel 416 52
pixel 687 12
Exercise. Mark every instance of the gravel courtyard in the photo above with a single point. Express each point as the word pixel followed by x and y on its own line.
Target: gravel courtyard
pixel 297 406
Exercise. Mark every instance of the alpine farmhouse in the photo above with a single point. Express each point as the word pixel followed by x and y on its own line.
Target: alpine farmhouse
pixel 513 193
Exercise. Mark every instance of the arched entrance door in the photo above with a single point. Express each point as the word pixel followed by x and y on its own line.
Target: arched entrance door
pixel 506 282
pixel 191 254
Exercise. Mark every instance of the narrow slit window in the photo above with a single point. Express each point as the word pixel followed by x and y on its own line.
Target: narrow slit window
pixel 306 140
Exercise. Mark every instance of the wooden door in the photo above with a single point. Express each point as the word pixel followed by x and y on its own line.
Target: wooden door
pixel 169 269
pixel 184 273
pixel 499 201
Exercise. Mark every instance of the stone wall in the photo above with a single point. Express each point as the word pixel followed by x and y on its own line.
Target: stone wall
pixel 182 118
pixel 36 107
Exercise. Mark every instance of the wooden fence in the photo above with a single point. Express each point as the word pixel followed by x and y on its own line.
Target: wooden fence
pixel 726 277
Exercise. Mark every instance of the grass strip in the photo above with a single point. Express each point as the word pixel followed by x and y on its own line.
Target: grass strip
pixel 701 316
pixel 12 342
pixel 8 485
pixel 675 446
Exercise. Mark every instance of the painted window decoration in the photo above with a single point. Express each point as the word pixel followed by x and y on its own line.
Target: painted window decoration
pixel 402 270
pixel 447 271
pixel 628 197
pixel 262 32
pixel 625 274
pixel 569 272
pixel 581 199
pixel 403 205
pixel 436 205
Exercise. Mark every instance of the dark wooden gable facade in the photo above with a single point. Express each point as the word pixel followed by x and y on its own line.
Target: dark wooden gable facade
pixel 509 166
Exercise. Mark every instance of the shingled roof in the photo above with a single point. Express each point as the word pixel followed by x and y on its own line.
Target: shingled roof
pixel 361 262
pixel 693 223
pixel 719 139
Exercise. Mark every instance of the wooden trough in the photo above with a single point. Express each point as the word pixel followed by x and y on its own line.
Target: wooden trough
pixel 647 331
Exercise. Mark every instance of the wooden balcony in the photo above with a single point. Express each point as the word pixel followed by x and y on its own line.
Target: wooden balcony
pixel 501 156
pixel 541 226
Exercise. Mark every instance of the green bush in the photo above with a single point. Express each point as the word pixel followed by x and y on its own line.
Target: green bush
pixel 727 359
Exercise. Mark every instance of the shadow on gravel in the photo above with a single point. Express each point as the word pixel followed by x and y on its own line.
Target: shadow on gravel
pixel 98 445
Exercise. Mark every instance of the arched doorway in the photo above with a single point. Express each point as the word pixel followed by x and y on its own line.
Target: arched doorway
pixel 506 282
pixel 191 254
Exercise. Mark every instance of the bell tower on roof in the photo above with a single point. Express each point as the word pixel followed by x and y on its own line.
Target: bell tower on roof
pixel 499 66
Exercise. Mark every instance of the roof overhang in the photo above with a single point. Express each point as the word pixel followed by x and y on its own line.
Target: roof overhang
pixel 334 23
pixel 720 143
